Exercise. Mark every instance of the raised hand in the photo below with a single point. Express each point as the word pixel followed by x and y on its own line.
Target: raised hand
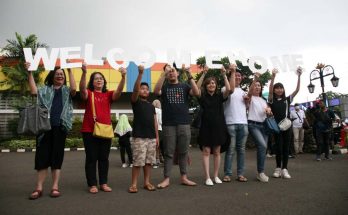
pixel 274 72
pixel 205 69
pixel 233 67
pixel 123 71
pixel 27 65
pixel 299 71
pixel 84 67
pixel 257 74
pixel 223 71
pixel 141 69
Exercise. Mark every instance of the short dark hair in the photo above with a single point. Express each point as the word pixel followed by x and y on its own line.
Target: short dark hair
pixel 49 80
pixel 144 84
pixel 91 79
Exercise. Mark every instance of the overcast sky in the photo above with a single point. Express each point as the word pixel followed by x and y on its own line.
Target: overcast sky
pixel 317 30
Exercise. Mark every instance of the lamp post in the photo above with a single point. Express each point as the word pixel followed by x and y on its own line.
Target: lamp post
pixel 320 72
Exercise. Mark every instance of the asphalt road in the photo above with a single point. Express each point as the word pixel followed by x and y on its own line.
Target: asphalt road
pixel 315 188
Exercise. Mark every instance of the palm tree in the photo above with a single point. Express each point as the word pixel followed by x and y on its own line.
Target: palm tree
pixel 16 76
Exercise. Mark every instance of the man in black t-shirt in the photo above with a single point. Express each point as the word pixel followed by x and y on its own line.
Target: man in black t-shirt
pixel 175 121
pixel 145 134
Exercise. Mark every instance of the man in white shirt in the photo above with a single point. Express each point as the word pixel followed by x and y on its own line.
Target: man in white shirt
pixel 237 126
pixel 299 117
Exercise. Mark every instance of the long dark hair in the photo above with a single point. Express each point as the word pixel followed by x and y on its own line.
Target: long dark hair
pixel 279 85
pixel 91 79
pixel 49 80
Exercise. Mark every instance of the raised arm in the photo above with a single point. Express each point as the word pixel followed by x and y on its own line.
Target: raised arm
pixel 83 88
pixel 194 89
pixel 116 95
pixel 72 83
pixel 136 87
pixel 299 73
pixel 232 69
pixel 270 96
pixel 200 81
pixel 252 86
pixel 159 84
pixel 32 85
pixel 227 91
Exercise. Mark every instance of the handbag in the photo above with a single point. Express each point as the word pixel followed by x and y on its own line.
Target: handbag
pixel 101 130
pixel 34 120
pixel 271 125
pixel 285 124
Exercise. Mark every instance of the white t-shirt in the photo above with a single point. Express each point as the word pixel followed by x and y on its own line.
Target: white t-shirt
pixel 257 110
pixel 234 108
pixel 298 122
pixel 159 118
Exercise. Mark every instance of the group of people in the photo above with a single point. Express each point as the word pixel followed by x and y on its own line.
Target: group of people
pixel 228 115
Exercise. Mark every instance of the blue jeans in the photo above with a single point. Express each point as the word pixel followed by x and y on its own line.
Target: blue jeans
pixel 260 137
pixel 238 134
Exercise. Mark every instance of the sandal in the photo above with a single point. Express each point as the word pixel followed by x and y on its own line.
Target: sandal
pixel 93 190
pixel 242 179
pixel 105 188
pixel 226 178
pixel 133 189
pixel 161 186
pixel 35 194
pixel 54 193
pixel 149 187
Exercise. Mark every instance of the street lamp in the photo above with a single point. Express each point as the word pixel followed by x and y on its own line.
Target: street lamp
pixel 320 72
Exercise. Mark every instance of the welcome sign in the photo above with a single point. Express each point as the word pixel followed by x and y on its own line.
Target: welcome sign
pixel 117 58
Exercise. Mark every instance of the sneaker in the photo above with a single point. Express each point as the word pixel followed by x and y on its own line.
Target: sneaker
pixel 124 165
pixel 291 156
pixel 155 166
pixel 268 155
pixel 277 173
pixel 130 165
pixel 318 159
pixel 328 158
pixel 217 180
pixel 262 177
pixel 285 174
pixel 209 182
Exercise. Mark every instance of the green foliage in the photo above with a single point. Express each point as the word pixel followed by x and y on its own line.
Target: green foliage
pixel 332 95
pixel 245 71
pixel 16 76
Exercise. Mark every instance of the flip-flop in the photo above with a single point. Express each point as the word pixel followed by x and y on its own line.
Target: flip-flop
pixel 93 190
pixel 132 189
pixel 242 179
pixel 54 193
pixel 38 195
pixel 159 186
pixel 149 187
pixel 226 178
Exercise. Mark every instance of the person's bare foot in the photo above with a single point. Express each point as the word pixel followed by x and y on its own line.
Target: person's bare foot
pixel 163 184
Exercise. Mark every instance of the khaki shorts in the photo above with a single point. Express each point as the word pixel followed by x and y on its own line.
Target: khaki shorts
pixel 144 151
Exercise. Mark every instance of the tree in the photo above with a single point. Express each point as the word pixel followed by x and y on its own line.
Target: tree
pixel 244 70
pixel 332 95
pixel 16 76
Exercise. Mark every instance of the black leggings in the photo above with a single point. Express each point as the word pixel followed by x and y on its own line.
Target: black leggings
pixel 97 150
pixel 282 142
pixel 123 149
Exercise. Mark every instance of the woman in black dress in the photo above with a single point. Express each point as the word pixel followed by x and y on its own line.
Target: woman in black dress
pixel 213 131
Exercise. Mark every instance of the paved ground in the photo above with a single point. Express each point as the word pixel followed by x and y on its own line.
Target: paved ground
pixel 316 188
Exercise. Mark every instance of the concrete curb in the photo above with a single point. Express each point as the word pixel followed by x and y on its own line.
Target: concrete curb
pixel 34 150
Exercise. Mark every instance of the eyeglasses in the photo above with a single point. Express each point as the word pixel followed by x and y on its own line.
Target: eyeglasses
pixel 99 78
